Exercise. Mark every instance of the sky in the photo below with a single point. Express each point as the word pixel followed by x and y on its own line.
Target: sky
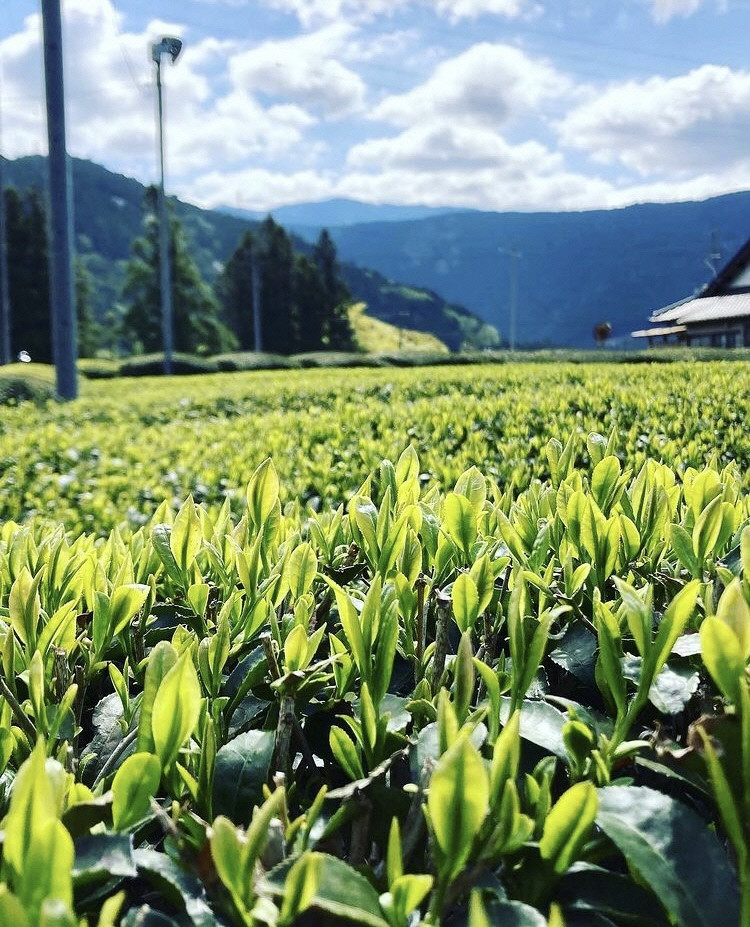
pixel 531 105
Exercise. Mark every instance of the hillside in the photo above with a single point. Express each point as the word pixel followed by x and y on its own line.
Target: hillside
pixel 108 213
pixel 310 218
pixel 576 269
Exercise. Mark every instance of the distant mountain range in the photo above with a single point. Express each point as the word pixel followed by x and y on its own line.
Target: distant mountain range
pixel 310 218
pixel 108 216
pixel 575 269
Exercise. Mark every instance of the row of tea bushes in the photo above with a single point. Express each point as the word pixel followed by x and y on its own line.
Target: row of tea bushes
pixel 471 706
pixel 111 457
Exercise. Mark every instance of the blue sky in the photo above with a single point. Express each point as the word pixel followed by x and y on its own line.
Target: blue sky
pixel 489 104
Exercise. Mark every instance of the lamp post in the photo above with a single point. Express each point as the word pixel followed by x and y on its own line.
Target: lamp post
pixel 170 46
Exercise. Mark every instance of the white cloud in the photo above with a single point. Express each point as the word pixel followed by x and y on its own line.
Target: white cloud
pixel 664 10
pixel 693 123
pixel 260 189
pixel 311 12
pixel 471 9
pixel 110 98
pixel 445 146
pixel 486 84
pixel 304 70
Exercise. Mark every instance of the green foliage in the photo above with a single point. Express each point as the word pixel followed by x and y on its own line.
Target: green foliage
pixel 196 324
pixel 477 702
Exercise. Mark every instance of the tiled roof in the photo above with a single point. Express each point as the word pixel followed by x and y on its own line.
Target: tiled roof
pixel 706 309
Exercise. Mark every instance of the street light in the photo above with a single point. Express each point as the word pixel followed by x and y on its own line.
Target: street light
pixel 171 46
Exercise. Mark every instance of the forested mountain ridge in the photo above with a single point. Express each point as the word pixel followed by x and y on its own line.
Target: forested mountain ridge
pixel 575 269
pixel 108 215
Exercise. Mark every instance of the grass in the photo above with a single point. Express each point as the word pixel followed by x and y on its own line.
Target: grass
pixel 375 335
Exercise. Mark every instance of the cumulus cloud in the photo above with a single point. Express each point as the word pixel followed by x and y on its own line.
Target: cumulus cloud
pixel 483 85
pixel 471 9
pixel 664 10
pixel 311 12
pixel 304 70
pixel 260 189
pixel 691 123
pixel 110 98
pixel 445 146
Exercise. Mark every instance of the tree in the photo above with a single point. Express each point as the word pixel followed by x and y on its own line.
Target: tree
pixel 602 331
pixel 310 299
pixel 279 315
pixel 234 290
pixel 338 332
pixel 28 274
pixel 89 332
pixel 197 326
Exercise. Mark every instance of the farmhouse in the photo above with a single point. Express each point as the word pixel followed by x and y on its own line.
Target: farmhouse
pixel 719 315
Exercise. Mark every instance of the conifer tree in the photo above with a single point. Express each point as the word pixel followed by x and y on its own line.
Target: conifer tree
pixel 197 326
pixel 279 315
pixel 234 290
pixel 28 274
pixel 339 333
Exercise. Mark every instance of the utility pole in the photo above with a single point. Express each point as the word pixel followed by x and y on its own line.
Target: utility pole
pixel 171 46
pixel 256 297
pixel 4 287
pixel 515 256
pixel 64 334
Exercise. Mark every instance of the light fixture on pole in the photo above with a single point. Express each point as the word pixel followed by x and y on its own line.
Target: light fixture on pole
pixel 171 46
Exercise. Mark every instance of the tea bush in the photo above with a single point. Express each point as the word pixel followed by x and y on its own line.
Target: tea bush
pixel 485 703
pixel 109 458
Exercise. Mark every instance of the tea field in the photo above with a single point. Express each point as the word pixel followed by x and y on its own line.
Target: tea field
pixel 111 457
pixel 451 646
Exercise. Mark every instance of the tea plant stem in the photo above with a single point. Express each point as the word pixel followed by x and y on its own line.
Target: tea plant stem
pixel 284 730
pixel 360 842
pixel 304 747
pixel 413 828
pixel 273 663
pixel 18 713
pixel 116 755
pixel 421 586
pixel 442 623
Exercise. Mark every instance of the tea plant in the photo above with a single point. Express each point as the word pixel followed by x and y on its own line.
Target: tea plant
pixel 482 704
pixel 109 459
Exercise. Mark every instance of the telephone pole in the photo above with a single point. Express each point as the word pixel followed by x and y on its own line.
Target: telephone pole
pixel 515 256
pixel 62 302
pixel 4 287
pixel 256 298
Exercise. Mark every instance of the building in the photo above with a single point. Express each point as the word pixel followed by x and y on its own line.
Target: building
pixel 718 315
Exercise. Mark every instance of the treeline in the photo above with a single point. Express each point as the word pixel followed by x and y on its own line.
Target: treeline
pixel 266 297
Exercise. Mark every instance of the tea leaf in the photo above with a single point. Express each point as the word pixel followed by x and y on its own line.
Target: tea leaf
pixel 175 710
pixel 458 802
pixel 672 852
pixel 135 784
pixel 186 536
pixel 568 826
pixel 465 598
pixel 262 492
pixel 240 772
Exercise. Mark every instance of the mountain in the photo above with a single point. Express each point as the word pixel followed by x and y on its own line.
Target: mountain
pixel 310 218
pixel 575 269
pixel 108 216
